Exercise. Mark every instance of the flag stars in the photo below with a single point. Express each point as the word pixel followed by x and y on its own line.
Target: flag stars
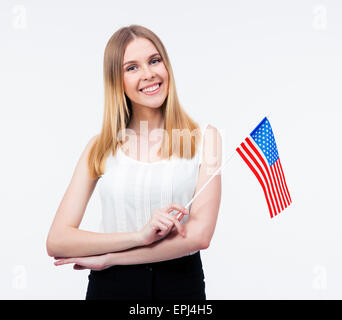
pixel 264 138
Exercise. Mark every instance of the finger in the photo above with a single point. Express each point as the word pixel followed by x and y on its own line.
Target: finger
pixel 162 228
pixel 167 220
pixel 178 214
pixel 78 267
pixel 63 261
pixel 180 217
pixel 176 224
pixel 179 227
pixel 158 225
pixel 172 220
pixel 177 207
pixel 164 224
pixel 162 233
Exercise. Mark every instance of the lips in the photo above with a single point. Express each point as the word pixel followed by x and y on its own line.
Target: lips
pixel 160 83
pixel 152 93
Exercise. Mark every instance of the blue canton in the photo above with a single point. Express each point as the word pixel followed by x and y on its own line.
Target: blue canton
pixel 264 138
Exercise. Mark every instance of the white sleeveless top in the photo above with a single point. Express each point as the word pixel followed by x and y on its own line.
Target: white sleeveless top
pixel 131 190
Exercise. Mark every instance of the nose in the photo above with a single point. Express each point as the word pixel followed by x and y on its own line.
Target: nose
pixel 147 72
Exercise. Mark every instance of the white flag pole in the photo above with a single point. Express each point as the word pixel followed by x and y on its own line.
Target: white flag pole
pixel 211 178
pixel 180 215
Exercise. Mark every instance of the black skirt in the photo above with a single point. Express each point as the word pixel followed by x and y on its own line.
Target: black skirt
pixel 177 279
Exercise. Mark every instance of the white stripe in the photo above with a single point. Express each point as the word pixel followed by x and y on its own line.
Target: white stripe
pixel 288 196
pixel 269 188
pixel 277 184
pixel 258 171
pixel 281 182
pixel 274 194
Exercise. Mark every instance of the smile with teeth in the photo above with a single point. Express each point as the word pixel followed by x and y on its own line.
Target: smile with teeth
pixel 151 89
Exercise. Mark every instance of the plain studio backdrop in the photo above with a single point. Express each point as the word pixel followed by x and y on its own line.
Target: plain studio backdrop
pixel 234 63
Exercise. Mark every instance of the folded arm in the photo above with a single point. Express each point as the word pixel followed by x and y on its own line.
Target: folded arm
pixel 200 227
pixel 65 239
pixel 172 247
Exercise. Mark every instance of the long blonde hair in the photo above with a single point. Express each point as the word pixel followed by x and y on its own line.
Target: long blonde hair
pixel 118 108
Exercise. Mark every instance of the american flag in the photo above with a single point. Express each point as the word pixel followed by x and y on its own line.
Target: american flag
pixel 260 153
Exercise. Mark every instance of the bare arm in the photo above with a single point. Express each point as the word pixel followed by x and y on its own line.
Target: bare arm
pixel 200 227
pixel 65 239
pixel 172 247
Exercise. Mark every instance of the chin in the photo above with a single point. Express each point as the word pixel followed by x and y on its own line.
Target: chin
pixel 154 104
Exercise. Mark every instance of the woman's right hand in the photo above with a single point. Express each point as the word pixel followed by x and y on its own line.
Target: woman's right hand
pixel 161 223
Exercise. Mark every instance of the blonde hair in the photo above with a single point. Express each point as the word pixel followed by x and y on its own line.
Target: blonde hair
pixel 118 108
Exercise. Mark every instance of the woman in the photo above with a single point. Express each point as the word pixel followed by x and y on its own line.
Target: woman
pixel 146 171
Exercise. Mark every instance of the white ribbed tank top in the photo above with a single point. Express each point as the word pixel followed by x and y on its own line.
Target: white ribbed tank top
pixel 131 190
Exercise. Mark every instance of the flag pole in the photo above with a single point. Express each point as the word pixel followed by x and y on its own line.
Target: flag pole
pixel 227 159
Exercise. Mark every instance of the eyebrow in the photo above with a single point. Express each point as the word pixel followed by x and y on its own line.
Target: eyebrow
pixel 152 55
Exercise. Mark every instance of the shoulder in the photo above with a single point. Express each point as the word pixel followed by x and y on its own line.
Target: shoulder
pixel 87 157
pixel 211 128
pixel 90 144
pixel 92 140
pixel 212 146
pixel 211 132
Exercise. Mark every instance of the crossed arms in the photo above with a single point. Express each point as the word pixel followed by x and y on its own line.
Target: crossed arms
pixel 66 240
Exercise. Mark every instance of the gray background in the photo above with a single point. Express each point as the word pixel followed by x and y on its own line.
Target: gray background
pixel 234 63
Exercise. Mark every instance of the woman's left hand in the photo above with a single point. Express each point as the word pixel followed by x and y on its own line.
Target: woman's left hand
pixel 97 263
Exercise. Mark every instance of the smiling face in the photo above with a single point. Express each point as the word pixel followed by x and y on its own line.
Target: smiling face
pixel 146 70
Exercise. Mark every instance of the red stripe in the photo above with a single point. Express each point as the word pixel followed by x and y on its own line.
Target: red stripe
pixel 257 176
pixel 263 174
pixel 266 168
pixel 282 183
pixel 281 168
pixel 276 184
pixel 274 167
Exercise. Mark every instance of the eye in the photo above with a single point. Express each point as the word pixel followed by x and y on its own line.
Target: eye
pixel 130 67
pixel 156 60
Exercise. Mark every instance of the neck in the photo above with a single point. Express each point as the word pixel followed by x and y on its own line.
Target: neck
pixel 153 117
